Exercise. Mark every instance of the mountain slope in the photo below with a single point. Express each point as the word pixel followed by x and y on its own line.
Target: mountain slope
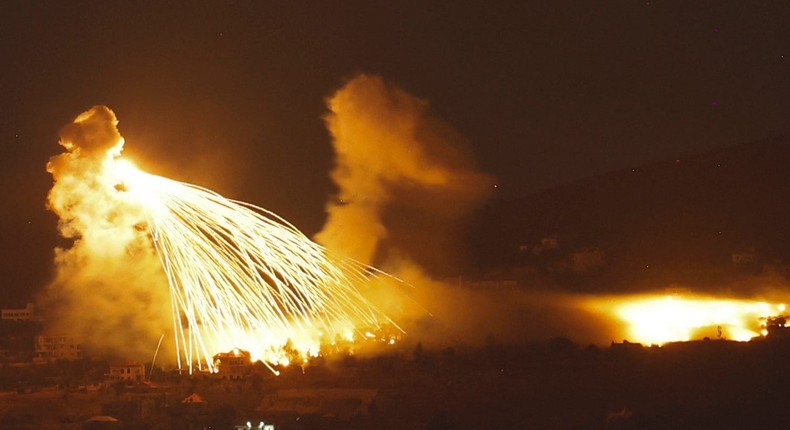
pixel 685 215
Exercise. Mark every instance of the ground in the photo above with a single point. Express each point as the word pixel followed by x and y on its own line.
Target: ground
pixel 549 385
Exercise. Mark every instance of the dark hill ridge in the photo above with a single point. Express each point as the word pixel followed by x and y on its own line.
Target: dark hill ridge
pixel 681 215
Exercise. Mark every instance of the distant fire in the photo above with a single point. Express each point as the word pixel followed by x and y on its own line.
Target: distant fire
pixel 658 319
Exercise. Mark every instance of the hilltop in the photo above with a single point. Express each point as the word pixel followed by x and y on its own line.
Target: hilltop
pixel 679 220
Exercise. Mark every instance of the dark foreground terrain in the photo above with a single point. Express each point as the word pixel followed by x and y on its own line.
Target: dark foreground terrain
pixel 713 384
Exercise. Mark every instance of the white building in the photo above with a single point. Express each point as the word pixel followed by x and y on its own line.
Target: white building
pixel 51 348
pixel 24 314
pixel 129 371
pixel 235 364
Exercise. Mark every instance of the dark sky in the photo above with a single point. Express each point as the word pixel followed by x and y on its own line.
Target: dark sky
pixel 230 94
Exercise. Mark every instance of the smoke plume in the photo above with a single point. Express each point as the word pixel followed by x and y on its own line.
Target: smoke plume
pixel 109 289
pixel 406 181
pixel 406 187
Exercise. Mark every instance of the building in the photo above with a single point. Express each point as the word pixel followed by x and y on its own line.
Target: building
pixel 51 348
pixel 549 242
pixel 24 314
pixel 743 258
pixel 128 371
pixel 777 328
pixel 234 364
pixel 193 399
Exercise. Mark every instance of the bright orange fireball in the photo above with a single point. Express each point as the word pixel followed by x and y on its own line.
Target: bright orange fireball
pixel 661 318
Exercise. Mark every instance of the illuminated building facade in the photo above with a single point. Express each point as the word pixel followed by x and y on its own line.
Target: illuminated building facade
pixel 128 371
pixel 51 348
pixel 23 314
pixel 234 364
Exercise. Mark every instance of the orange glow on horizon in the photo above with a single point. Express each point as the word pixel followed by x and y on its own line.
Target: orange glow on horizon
pixel 656 319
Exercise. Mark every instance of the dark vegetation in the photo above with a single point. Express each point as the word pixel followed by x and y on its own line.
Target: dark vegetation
pixel 712 384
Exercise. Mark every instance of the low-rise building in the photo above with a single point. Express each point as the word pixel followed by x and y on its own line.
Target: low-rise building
pixel 743 258
pixel 129 371
pixel 234 364
pixel 23 314
pixel 51 348
pixel 549 242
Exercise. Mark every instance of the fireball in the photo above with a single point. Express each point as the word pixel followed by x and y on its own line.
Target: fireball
pixel 661 318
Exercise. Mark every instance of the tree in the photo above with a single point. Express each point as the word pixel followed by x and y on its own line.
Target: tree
pixel 418 353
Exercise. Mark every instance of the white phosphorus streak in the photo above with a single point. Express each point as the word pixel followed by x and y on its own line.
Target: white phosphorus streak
pixel 241 275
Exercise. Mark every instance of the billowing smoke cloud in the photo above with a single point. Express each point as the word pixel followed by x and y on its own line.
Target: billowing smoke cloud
pixel 109 289
pixel 406 180
pixel 407 185
pixel 443 313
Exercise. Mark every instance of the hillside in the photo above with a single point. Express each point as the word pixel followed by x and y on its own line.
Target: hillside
pixel 673 218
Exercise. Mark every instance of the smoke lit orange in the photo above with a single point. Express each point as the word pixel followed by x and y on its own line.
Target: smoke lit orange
pixel 239 275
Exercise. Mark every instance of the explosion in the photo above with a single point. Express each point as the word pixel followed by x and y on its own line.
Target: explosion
pixel 658 319
pixel 109 288
pixel 406 180
pixel 238 275
pixel 149 255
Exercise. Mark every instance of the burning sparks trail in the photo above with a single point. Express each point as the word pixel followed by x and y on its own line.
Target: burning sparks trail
pixel 658 319
pixel 239 275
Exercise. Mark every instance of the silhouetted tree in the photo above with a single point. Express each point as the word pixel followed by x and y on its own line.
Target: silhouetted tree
pixel 561 347
pixel 418 353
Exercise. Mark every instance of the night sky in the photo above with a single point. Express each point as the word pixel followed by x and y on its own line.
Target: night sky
pixel 230 95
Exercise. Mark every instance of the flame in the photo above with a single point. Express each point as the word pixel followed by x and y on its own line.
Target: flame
pixel 238 275
pixel 658 319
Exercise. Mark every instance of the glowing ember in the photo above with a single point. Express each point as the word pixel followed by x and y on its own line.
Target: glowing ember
pixel 658 319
